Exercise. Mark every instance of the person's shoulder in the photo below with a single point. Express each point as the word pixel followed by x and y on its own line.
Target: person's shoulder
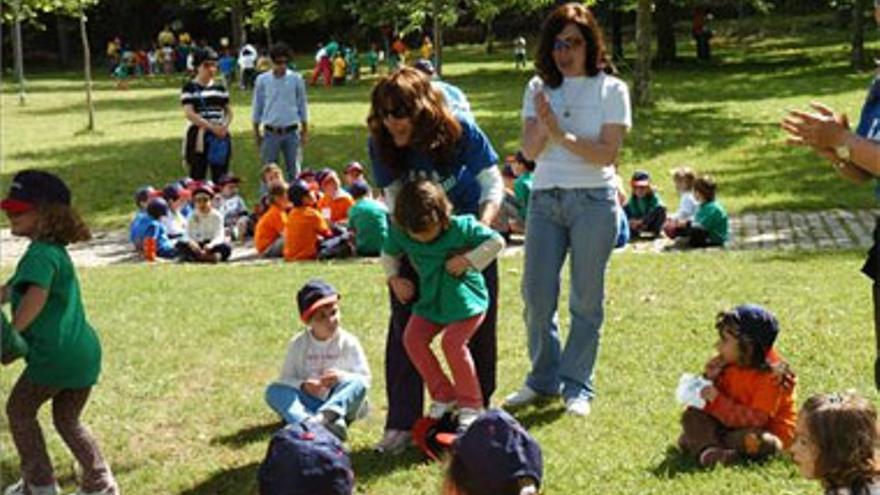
pixel 612 83
pixel 190 86
pixel 347 338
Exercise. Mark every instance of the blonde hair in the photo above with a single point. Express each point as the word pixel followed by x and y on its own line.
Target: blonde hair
pixel 684 175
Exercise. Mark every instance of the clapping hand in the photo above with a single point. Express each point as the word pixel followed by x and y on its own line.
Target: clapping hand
pixel 546 117
pixel 823 130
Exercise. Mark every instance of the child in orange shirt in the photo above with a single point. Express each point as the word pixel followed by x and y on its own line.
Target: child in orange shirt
pixel 269 232
pixel 749 407
pixel 305 226
pixel 335 202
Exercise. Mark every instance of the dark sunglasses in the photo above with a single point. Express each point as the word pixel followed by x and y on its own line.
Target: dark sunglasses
pixel 397 113
pixel 567 44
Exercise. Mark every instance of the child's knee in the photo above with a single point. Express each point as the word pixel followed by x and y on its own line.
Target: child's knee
pixel 452 344
pixel 761 444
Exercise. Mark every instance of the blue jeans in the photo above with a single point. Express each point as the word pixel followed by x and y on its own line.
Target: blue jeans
pixel 286 144
pixel 295 406
pixel 584 223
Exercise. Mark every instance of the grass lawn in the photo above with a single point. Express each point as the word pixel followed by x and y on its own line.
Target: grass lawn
pixel 189 350
pixel 721 118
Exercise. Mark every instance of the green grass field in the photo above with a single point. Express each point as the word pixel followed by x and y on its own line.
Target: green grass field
pixel 189 349
pixel 720 118
pixel 180 410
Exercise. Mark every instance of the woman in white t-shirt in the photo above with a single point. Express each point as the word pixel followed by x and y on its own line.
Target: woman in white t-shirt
pixel 575 117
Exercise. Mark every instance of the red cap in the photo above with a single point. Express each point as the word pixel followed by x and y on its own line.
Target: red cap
pixel 15 205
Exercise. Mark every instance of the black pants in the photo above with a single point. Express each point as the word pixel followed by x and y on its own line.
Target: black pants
pixel 871 268
pixel 697 236
pixel 187 253
pixel 198 162
pixel 704 48
pixel 652 222
pixel 403 384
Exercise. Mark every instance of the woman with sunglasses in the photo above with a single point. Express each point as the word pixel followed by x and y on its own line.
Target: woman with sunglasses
pixel 575 117
pixel 414 135
pixel 206 106
pixel 854 155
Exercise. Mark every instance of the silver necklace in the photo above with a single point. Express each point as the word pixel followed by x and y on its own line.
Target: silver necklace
pixel 567 104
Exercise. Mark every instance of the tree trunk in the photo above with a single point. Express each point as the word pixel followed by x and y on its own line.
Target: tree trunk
pixel 857 53
pixel 438 40
pixel 665 16
pixel 239 35
pixel 63 40
pixel 616 31
pixel 87 61
pixel 268 28
pixel 18 55
pixel 642 83
pixel 490 35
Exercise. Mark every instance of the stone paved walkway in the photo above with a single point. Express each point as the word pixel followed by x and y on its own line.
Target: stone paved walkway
pixel 780 230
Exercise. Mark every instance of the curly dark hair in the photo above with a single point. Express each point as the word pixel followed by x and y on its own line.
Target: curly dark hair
pixel 751 354
pixel 435 130
pixel 843 428
pixel 60 224
pixel 597 56
pixel 421 204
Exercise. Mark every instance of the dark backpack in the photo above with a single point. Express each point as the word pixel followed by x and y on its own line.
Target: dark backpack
pixel 305 459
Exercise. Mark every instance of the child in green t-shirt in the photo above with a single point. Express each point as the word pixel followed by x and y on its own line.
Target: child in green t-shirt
pixel 710 225
pixel 448 253
pixel 50 331
pixel 644 210
pixel 368 219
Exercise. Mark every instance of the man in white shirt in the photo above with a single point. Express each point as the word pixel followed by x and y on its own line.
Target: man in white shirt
pixel 247 61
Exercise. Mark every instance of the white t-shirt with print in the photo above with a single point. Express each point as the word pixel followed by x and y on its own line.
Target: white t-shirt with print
pixel 582 105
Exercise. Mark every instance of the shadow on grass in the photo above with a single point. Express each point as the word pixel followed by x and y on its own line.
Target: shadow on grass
pixel 674 464
pixel 248 435
pixel 241 480
pixel 540 415
pixel 369 465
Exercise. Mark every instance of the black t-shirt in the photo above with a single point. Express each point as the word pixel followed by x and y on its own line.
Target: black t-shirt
pixel 208 101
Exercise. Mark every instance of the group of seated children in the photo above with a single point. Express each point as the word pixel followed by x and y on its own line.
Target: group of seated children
pixel 700 221
pixel 316 217
pixel 189 220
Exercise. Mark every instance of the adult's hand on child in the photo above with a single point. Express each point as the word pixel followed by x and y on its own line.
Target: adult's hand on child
pixel 403 289
pixel 457 265
pixel 709 393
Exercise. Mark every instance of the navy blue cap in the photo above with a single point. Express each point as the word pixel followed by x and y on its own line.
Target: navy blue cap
pixel 202 55
pixel 314 294
pixel 425 66
pixel 496 450
pixel 359 188
pixel 144 194
pixel 758 323
pixel 174 191
pixel 157 208
pixel 305 459
pixel 641 178
pixel 30 188
pixel 296 191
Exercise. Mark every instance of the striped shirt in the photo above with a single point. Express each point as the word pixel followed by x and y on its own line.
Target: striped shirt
pixel 208 101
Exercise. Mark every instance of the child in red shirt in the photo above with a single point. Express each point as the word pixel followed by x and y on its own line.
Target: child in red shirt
pixel 749 407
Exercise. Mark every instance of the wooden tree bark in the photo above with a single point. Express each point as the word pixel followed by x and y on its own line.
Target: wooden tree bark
pixel 62 28
pixel 857 52
pixel 616 31
pixel 438 39
pixel 642 90
pixel 18 54
pixel 87 60
pixel 665 17
pixel 239 35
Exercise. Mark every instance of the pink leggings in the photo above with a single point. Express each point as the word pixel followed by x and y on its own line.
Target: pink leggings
pixel 417 339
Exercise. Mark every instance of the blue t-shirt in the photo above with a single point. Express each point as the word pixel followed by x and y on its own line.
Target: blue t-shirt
pixel 456 100
pixel 164 247
pixel 473 153
pixel 226 64
pixel 138 228
pixel 869 122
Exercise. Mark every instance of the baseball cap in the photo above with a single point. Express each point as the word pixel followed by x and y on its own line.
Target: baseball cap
pixel 354 166
pixel 157 208
pixel 496 451
pixel 173 192
pixel 305 459
pixel 202 55
pixel 757 323
pixel 298 190
pixel 359 188
pixel 425 66
pixel 314 294
pixel 204 189
pixel 228 179
pixel 641 178
pixel 30 188
pixel 145 193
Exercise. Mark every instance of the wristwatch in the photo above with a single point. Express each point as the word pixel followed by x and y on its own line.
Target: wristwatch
pixel 842 151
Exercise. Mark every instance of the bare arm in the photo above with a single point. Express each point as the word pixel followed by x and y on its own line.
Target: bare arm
pixel 32 303
pixel 602 151
pixel 191 115
pixel 534 139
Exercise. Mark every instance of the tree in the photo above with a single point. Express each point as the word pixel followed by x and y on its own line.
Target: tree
pixel 857 49
pixel 486 11
pixel 642 89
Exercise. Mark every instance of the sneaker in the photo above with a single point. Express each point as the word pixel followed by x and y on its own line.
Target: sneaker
pixel 521 398
pixel 466 416
pixel 394 442
pixel 439 409
pixel 18 488
pixel 338 427
pixel 578 406
pixel 716 455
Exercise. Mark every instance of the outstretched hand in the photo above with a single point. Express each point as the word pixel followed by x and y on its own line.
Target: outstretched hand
pixel 822 130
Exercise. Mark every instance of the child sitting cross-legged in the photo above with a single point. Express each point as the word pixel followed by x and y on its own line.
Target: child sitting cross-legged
pixel 368 219
pixel 644 210
pixel 325 375
pixel 749 406
pixel 305 226
pixel 335 201
pixel 269 231
pixel 709 226
pixel 836 444
pixel 448 252
pixel 205 236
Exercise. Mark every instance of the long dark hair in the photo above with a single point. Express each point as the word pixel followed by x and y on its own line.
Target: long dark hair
pixel 60 224
pixel 843 428
pixel 435 129
pixel 597 57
